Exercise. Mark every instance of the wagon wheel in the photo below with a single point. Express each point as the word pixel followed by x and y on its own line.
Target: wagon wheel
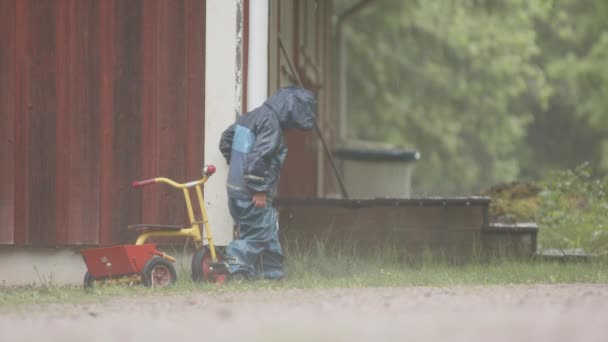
pixel 88 281
pixel 201 260
pixel 158 272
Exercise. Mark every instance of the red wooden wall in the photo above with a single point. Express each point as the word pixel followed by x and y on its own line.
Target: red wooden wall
pixel 95 94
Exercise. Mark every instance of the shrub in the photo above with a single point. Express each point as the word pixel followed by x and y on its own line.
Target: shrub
pixel 574 211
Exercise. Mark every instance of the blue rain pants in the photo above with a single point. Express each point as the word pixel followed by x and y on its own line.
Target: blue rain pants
pixel 257 252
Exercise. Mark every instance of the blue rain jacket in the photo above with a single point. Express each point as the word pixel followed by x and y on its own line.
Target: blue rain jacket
pixel 254 146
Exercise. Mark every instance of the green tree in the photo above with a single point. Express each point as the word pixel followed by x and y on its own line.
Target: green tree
pixel 454 79
pixel 488 91
pixel 573 38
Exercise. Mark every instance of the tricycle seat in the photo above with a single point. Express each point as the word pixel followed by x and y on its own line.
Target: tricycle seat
pixel 154 227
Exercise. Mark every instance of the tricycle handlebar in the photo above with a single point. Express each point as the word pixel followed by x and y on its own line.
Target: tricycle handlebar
pixel 139 184
pixel 208 170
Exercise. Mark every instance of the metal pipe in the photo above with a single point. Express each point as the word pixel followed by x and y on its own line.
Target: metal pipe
pixel 296 75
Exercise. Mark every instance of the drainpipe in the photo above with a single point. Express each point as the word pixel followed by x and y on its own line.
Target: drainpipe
pixel 257 62
pixel 343 61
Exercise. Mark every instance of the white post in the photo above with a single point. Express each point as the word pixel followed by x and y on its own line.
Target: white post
pixel 257 66
pixel 221 106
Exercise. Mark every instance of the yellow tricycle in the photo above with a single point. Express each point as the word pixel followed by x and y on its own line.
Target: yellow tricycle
pixel 144 263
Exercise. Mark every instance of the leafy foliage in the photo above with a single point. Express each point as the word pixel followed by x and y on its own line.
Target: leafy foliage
pixel 573 211
pixel 488 91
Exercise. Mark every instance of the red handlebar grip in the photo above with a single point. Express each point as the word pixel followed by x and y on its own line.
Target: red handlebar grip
pixel 137 184
pixel 209 170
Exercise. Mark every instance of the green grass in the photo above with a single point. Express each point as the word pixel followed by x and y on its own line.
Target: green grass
pixel 317 268
pixel 321 267
pixel 361 275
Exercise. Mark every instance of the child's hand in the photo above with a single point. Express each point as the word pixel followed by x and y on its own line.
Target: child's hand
pixel 259 199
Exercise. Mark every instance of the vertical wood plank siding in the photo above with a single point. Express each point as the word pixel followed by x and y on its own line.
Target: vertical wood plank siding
pixel 21 121
pixel 7 119
pixel 41 93
pixel 95 94
pixel 195 87
pixel 171 115
pixel 107 53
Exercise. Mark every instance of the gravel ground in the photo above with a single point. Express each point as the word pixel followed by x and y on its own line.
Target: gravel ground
pixel 576 312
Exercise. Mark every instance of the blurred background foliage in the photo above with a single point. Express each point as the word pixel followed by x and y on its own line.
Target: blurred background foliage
pixel 572 211
pixel 488 91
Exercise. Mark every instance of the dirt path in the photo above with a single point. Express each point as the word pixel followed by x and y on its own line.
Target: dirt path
pixel 515 313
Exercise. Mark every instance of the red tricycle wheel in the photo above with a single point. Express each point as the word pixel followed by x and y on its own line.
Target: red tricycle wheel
pixel 158 272
pixel 201 260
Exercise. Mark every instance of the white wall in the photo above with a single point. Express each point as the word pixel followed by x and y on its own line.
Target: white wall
pixel 221 106
pixel 257 81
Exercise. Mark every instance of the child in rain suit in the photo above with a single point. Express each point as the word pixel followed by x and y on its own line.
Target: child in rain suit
pixel 255 149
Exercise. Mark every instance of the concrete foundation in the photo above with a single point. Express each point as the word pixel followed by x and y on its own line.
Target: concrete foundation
pixel 40 266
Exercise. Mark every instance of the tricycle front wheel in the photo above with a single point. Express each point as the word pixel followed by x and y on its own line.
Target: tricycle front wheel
pixel 201 271
pixel 158 272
